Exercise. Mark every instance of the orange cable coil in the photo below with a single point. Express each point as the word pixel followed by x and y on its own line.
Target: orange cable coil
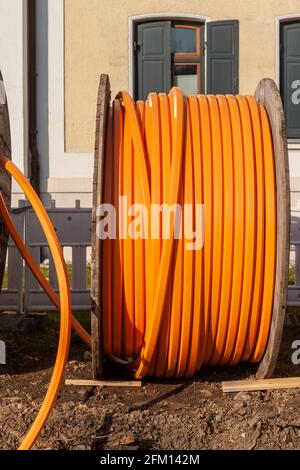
pixel 64 301
pixel 168 310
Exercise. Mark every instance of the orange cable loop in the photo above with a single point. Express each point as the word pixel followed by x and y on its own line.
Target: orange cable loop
pixel 63 303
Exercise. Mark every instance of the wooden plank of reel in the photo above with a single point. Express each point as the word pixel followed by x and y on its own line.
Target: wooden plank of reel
pixel 5 179
pixel 284 383
pixel 267 94
pixel 103 104
pixel 104 383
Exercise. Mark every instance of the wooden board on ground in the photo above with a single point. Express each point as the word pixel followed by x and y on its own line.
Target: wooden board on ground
pixel 257 385
pixel 103 383
pixel 267 94
pixel 5 179
pixel 103 104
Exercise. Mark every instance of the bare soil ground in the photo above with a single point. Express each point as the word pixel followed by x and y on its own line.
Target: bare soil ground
pixel 183 416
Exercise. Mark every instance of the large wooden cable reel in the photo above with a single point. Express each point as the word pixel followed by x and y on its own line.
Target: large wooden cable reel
pixel 268 95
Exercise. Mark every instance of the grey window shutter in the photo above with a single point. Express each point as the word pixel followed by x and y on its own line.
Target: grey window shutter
pixel 290 77
pixel 223 57
pixel 153 58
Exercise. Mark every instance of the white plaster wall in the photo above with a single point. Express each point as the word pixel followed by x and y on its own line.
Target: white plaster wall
pixel 13 64
pixel 67 172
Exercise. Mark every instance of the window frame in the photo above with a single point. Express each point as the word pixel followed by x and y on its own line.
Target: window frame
pixel 202 20
pixel 293 143
pixel 178 56
pixel 191 58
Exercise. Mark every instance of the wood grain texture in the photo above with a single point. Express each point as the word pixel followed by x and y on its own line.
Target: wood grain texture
pixel 103 104
pixel 104 383
pixel 267 93
pixel 5 179
pixel 257 385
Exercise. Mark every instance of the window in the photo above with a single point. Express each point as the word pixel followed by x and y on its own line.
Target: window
pixel 173 53
pixel 187 77
pixel 186 54
pixel 186 40
pixel 290 76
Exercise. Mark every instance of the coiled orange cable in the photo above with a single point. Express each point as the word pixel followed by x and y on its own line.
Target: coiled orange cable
pixel 169 310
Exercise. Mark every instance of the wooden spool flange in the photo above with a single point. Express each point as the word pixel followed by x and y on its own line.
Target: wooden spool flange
pixel 103 104
pixel 267 94
pixel 5 179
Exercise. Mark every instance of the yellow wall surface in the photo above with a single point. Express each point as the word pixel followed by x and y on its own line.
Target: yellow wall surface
pixel 96 41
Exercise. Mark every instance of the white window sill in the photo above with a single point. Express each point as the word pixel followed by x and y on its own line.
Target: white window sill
pixel 293 144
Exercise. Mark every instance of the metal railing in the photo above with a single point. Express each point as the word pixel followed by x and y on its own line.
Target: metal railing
pixel 294 290
pixel 21 292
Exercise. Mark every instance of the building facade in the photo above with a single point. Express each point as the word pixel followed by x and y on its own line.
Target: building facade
pixel 215 46
pixel 13 64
